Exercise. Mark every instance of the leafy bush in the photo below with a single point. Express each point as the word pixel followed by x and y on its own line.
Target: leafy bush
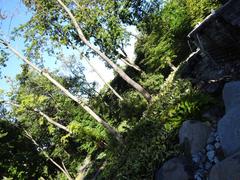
pixel 132 107
pixel 164 32
pixel 152 82
pixel 197 10
pixel 154 139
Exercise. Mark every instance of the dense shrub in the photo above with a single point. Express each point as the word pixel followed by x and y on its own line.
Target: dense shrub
pixel 164 32
pixel 154 139
pixel 152 82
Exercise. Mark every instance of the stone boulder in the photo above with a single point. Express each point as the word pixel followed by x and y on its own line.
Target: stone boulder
pixel 228 169
pixel 231 95
pixel 194 135
pixel 229 126
pixel 229 132
pixel 174 169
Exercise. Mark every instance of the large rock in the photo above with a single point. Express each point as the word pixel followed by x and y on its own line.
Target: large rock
pixel 231 95
pixel 229 125
pixel 228 169
pixel 174 169
pixel 229 131
pixel 194 135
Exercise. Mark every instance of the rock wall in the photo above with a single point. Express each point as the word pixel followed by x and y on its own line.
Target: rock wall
pixel 218 36
pixel 217 42
pixel 214 151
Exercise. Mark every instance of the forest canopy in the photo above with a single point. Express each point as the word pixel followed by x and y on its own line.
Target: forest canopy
pixel 59 126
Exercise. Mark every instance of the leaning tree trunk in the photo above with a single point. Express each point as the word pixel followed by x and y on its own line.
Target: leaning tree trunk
pixel 49 119
pixel 44 73
pixel 130 81
pixel 128 63
pixel 98 73
pixel 63 169
pixel 125 59
pixel 100 76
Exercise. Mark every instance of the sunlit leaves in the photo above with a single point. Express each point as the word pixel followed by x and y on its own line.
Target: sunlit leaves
pixel 3 58
pixel 164 37
pixel 198 10
pixel 3 134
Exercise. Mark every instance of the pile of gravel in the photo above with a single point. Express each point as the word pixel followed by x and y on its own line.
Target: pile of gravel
pixel 206 158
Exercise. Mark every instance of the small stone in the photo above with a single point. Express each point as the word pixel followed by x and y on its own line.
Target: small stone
pixel 209 147
pixel 217 138
pixel 208 166
pixel 200 172
pixel 203 151
pixel 197 177
pixel 211 140
pixel 217 145
pixel 196 158
pixel 202 156
pixel 210 155
pixel 216 160
pixel 201 166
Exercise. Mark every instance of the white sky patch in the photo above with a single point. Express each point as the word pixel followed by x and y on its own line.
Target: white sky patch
pixel 130 49
pixel 100 65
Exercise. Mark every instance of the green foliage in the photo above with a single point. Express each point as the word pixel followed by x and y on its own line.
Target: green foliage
pixel 35 91
pixel 19 158
pixel 149 130
pixel 154 139
pixel 132 107
pixel 199 9
pixel 3 58
pixel 103 23
pixel 152 82
pixel 164 32
pixel 78 129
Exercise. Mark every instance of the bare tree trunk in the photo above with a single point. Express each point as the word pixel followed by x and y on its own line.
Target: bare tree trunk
pixel 44 73
pixel 130 81
pixel 127 61
pixel 64 170
pixel 83 170
pixel 50 120
pixel 172 66
pixel 98 73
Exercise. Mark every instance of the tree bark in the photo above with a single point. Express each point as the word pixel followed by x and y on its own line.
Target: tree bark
pixel 171 66
pixel 130 81
pixel 98 73
pixel 44 73
pixel 100 76
pixel 127 61
pixel 50 120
